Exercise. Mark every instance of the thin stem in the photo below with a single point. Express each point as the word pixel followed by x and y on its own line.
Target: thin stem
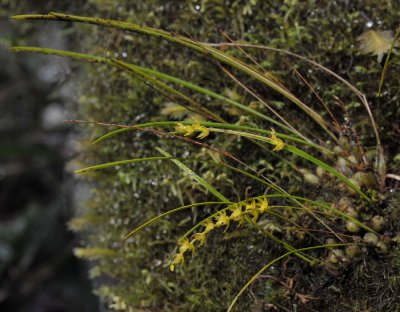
pixel 166 214
pixel 255 276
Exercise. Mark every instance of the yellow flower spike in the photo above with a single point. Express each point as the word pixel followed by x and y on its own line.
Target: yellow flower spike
pixel 263 205
pixel 200 237
pixel 179 259
pixel 208 225
pixel 279 144
pixel 222 219
pixel 185 245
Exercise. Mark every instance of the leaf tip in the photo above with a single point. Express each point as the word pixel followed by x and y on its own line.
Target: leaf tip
pixel 16 17
pixel 126 237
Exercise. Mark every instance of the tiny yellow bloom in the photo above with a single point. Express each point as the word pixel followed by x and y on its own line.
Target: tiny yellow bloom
pixel 237 214
pixel 200 237
pixel 179 259
pixel 187 129
pixel 203 130
pixel 255 215
pixel 209 225
pixel 222 219
pixel 252 206
pixel 252 209
pixel 185 245
pixel 263 205
pixel 279 144
pixel 190 129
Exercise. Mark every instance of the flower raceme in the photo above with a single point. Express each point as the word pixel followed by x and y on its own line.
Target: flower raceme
pixel 188 130
pixel 233 213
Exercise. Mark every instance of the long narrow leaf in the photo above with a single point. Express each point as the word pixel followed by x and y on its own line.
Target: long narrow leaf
pixel 121 162
pixel 297 199
pixel 130 67
pixel 357 92
pixel 166 214
pixel 255 276
pixel 266 78
pixel 294 150
pixel 194 176
pixel 175 95
pixel 298 152
pixel 385 67
pixel 124 128
pixel 211 189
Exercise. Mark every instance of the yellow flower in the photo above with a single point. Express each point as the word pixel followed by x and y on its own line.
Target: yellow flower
pixel 222 219
pixel 237 214
pixel 255 216
pixel 209 226
pixel 179 259
pixel 185 245
pixel 263 205
pixel 187 129
pixel 190 129
pixel 252 209
pixel 252 206
pixel 200 237
pixel 279 144
pixel 204 130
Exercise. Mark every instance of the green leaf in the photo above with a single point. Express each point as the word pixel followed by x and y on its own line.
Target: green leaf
pixel 255 276
pixel 194 176
pixel 119 163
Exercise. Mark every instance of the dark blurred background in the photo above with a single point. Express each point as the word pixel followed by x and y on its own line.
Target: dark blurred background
pixel 38 271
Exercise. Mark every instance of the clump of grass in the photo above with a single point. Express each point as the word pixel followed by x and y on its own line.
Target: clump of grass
pixel 341 166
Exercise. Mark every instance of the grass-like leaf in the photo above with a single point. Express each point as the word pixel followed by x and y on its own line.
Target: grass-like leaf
pixel 172 211
pixel 154 73
pixel 124 128
pixel 255 276
pixel 173 94
pixel 385 67
pixel 121 162
pixel 212 190
pixel 357 92
pixel 292 149
pixel 267 79
pixel 195 176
